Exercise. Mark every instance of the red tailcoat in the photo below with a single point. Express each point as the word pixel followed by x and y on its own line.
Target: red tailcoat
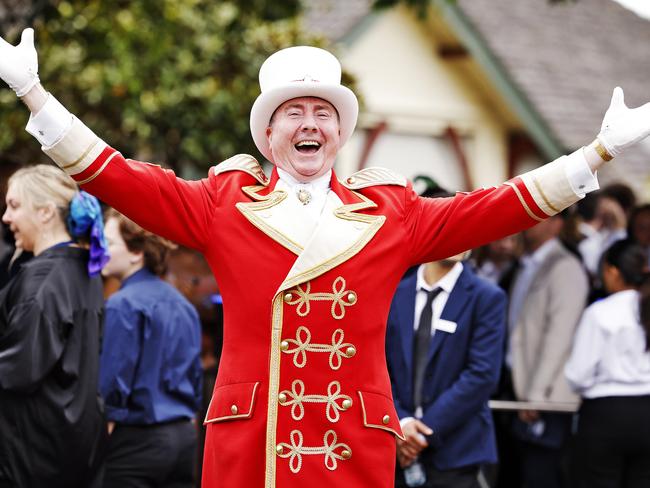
pixel 303 397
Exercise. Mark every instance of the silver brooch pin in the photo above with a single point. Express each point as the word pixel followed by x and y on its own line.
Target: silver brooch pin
pixel 304 196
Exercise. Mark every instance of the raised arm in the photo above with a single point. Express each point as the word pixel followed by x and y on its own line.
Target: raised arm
pixel 150 195
pixel 442 227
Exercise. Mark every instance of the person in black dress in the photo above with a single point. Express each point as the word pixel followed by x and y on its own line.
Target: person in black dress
pixel 52 428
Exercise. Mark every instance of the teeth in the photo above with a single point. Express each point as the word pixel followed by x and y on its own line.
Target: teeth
pixel 308 143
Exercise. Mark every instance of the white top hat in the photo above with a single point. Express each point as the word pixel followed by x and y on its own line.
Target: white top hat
pixel 301 71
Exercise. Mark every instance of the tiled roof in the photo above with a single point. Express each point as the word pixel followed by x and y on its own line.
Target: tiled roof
pixel 566 58
pixel 333 19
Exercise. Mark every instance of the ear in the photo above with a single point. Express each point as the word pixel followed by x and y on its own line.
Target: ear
pixel 269 130
pixel 47 212
pixel 136 257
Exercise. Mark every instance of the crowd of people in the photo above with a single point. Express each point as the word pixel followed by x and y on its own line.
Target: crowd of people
pixel 560 276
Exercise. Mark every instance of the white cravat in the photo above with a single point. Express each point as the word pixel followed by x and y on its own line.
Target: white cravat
pixel 317 191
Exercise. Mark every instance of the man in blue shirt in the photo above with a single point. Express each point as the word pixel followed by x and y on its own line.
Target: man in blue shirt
pixel 150 370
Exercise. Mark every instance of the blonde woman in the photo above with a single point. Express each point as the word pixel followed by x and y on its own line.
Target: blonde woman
pixel 51 420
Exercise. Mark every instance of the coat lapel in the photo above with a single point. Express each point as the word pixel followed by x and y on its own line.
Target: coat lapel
pixel 453 308
pixel 340 234
pixel 271 211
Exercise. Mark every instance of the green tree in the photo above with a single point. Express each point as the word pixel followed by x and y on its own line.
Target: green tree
pixel 164 80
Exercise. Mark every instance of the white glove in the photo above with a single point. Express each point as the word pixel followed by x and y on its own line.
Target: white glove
pixel 19 64
pixel 622 126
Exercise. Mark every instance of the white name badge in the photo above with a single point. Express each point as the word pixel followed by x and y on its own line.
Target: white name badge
pixel 445 325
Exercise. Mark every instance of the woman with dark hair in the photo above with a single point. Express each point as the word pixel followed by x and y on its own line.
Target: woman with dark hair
pixel 150 369
pixel 610 368
pixel 52 425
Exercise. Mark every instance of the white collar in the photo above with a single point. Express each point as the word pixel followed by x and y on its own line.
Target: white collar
pixel 446 283
pixel 319 185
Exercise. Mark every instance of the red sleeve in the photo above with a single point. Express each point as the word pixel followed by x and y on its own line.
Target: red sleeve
pixel 442 227
pixel 154 197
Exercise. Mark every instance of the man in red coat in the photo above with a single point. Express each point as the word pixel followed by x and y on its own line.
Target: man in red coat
pixel 307 264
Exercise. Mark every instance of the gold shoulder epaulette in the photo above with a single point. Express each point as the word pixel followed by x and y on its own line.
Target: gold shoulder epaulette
pixel 242 162
pixel 373 177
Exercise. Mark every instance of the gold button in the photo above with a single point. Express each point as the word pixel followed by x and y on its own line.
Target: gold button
pixel 352 297
pixel 284 345
pixel 345 454
pixel 350 351
pixel 347 403
pixel 351 180
pixel 234 409
pixel 385 419
pixel 288 297
pixel 282 397
pixel 279 449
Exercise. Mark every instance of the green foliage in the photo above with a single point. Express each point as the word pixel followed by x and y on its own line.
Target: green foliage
pixel 163 80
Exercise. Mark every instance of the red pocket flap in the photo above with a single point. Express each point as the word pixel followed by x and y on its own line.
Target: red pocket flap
pixel 231 402
pixel 379 413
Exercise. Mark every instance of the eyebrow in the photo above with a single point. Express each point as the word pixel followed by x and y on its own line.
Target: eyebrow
pixel 317 107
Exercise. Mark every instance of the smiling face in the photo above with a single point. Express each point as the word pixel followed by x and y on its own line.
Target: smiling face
pixel 22 218
pixel 304 137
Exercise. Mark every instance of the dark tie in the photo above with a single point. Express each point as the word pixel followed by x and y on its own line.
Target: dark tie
pixel 421 346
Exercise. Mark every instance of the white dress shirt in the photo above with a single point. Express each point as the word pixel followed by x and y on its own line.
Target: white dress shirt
pixel 595 244
pixel 446 285
pixel 609 356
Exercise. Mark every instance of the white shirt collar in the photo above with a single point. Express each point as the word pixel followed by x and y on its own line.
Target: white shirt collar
pixel 447 282
pixel 319 185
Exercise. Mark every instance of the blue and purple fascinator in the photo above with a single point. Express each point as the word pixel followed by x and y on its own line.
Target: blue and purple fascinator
pixel 85 221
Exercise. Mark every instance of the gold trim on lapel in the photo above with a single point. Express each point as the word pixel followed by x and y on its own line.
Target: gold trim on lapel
pixel 274 388
pixel 340 234
pixel 253 211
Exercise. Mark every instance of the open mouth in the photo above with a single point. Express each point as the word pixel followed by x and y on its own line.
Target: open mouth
pixel 307 147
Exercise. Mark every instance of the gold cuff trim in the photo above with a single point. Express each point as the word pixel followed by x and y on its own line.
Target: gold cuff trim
pixel 101 168
pixel 340 298
pixel 543 195
pixel 302 344
pixel 296 397
pixel 602 152
pixel 81 158
pixel 523 202
pixel 295 451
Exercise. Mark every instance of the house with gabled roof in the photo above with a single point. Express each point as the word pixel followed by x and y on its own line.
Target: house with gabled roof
pixel 480 90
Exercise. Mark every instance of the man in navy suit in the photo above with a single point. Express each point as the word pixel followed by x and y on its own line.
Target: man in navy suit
pixel 444 348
